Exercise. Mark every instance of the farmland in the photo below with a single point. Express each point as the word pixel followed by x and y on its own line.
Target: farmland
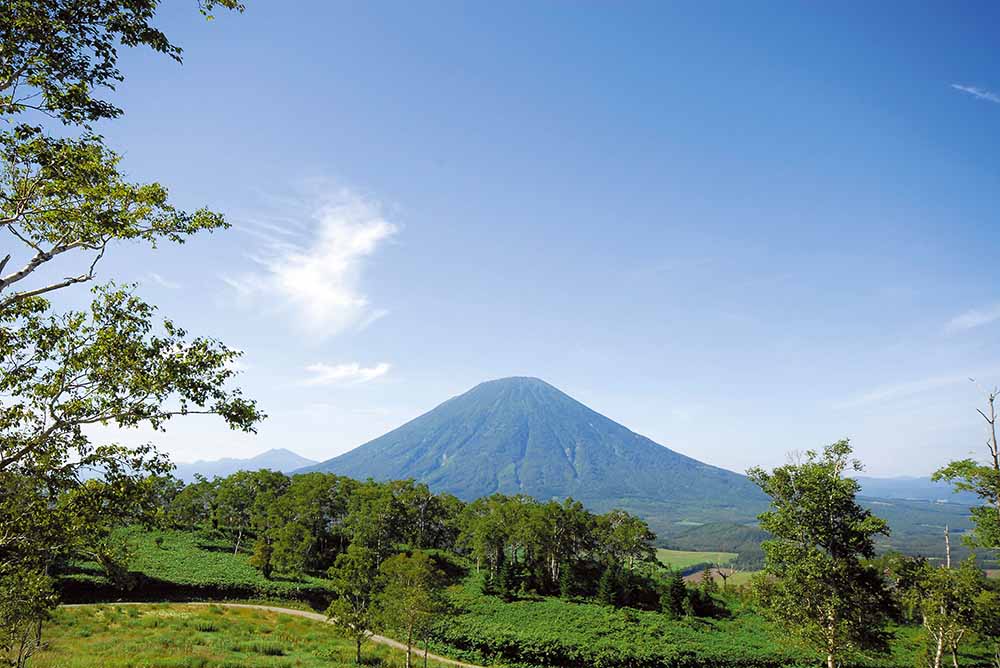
pixel 684 559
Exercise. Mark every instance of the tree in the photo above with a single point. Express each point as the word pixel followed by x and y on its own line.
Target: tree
pixel 982 479
pixel 825 593
pixel 947 601
pixel 625 538
pixel 261 558
pixel 63 197
pixel 708 584
pixel 196 506
pixel 567 581
pixel 673 594
pixel 26 599
pixel 309 522
pixel 608 586
pixel 411 597
pixel 484 532
pixel 244 501
pixel 354 579
pixel 376 518
pixel 987 619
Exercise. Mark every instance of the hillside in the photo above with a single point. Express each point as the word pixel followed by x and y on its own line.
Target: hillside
pixel 278 459
pixel 523 436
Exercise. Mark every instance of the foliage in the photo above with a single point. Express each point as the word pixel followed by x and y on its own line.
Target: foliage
pixel 983 480
pixel 63 197
pixel 186 565
pixel 554 632
pixel 946 601
pixel 411 596
pixel 355 581
pixel 26 599
pixel 824 592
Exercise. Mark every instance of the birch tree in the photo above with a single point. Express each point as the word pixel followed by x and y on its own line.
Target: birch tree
pixel 824 593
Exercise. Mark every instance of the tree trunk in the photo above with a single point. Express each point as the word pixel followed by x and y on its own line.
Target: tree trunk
pixel 409 646
pixel 425 652
pixel 357 650
pixel 939 651
pixel 239 537
pixel 831 661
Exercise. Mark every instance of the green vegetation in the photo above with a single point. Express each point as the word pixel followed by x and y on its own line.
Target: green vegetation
pixel 64 206
pixel 553 632
pixel 823 588
pixel 983 480
pixel 179 636
pixel 168 563
pixel 686 559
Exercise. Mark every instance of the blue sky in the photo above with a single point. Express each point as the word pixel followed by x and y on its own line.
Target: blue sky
pixel 738 229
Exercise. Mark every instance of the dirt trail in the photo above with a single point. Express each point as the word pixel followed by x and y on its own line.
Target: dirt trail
pixel 381 640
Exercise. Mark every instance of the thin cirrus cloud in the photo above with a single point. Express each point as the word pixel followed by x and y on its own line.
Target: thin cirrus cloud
pixel 973 318
pixel 977 92
pixel 344 374
pixel 164 282
pixel 901 390
pixel 313 269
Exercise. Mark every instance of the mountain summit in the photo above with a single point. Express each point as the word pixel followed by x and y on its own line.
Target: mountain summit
pixel 276 459
pixel 522 435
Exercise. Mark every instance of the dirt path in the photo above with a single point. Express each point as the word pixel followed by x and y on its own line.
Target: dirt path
pixel 315 616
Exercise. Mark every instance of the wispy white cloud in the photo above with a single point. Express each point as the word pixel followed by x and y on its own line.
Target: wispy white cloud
pixel 973 318
pixel 163 282
pixel 903 390
pixel 313 271
pixel 344 374
pixel 375 315
pixel 977 92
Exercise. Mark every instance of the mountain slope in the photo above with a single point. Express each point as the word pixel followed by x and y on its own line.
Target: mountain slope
pixel 521 435
pixel 278 459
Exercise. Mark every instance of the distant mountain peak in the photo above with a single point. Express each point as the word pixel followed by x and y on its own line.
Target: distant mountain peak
pixel 523 435
pixel 276 459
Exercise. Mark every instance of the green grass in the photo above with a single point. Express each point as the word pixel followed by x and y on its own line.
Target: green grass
pixel 181 636
pixel 188 565
pixel 681 559
pixel 554 632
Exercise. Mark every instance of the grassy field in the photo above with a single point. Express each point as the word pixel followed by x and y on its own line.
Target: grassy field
pixel 554 632
pixel 735 579
pixel 681 559
pixel 187 565
pixel 482 629
pixel 179 636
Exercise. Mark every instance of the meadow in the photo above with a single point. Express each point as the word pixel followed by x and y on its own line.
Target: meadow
pixel 187 636
pixel 553 632
pixel 685 559
pixel 178 565
pixel 533 631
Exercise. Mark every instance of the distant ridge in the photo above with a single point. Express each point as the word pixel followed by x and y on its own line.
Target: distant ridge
pixel 913 488
pixel 523 436
pixel 277 459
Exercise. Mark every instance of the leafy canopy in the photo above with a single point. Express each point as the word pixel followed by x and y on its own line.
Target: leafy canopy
pixel 823 590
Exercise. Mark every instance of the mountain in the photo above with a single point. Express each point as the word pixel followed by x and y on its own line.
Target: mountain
pixel 521 435
pixel 278 459
pixel 913 488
